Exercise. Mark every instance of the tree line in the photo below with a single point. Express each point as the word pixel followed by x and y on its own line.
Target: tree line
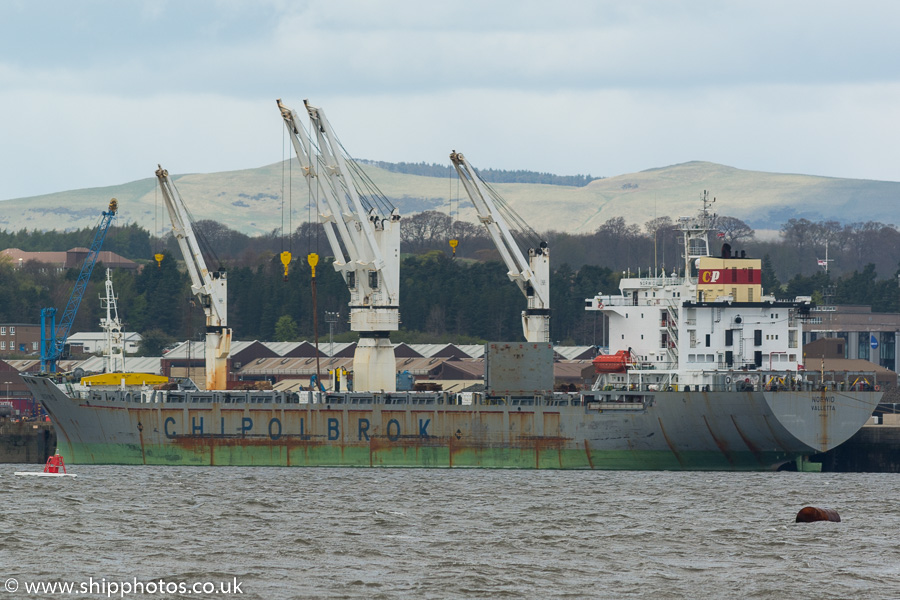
pixel 465 297
pixel 490 175
pixel 616 244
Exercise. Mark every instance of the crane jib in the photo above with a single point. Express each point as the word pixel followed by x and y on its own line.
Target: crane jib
pixel 53 340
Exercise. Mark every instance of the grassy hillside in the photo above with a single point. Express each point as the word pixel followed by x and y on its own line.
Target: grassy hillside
pixel 251 200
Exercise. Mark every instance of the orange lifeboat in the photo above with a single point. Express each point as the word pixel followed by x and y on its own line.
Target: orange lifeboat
pixel 612 363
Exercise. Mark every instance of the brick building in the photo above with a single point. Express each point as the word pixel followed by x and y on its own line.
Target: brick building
pixel 867 335
pixel 17 339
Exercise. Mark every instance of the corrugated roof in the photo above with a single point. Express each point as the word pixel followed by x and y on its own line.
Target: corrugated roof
pixel 293 366
pixel 432 350
pixel 282 348
pixel 845 364
pixel 472 350
pixel 340 348
pixel 426 350
pixel 466 368
pixel 133 364
pixel 144 364
pixel 45 257
pixel 194 349
pixel 404 350
pixel 570 370
pixel 420 366
pixel 62 259
pixel 101 335
pixel 291 385
pixel 239 346
pixel 24 365
pixel 575 352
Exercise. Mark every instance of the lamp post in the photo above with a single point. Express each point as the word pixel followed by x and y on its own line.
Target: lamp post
pixel 331 317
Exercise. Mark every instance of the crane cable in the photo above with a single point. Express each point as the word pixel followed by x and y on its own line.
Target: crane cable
pixel 454 241
pixel 286 254
pixel 312 258
pixel 158 256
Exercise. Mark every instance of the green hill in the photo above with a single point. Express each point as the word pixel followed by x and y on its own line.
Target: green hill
pixel 259 200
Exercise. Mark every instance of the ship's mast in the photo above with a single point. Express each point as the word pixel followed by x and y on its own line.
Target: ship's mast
pixel 695 231
pixel 114 360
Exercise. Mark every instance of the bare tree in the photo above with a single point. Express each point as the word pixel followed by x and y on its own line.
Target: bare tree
pixel 734 229
pixel 664 234
pixel 617 238
pixel 799 233
pixel 654 226
pixel 618 229
pixel 861 242
pixel 425 230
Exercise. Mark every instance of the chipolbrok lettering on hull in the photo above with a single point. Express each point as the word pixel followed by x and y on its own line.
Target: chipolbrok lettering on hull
pixel 274 429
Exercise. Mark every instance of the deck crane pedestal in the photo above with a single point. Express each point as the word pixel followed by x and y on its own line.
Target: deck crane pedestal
pixel 210 287
pixel 53 337
pixel 532 276
pixel 363 231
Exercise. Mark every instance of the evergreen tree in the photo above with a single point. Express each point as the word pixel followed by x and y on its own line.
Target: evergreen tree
pixel 286 329
pixel 770 283
pixel 154 341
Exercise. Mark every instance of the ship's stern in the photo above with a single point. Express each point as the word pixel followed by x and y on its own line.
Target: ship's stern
pixel 822 419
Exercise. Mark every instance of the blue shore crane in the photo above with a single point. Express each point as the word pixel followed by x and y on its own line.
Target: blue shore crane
pixel 53 337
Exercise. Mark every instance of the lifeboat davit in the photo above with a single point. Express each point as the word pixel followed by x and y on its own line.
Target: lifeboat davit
pixel 612 363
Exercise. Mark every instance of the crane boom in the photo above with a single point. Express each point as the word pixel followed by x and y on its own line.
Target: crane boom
pixel 305 155
pixel 365 242
pixel 53 338
pixel 210 287
pixel 531 275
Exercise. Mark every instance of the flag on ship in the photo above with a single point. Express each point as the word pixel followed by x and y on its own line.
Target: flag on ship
pixel 720 235
pixel 821 262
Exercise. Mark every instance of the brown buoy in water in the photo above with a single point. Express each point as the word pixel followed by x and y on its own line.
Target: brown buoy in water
pixel 810 514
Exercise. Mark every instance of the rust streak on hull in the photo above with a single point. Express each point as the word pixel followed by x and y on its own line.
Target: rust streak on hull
pixel 754 450
pixel 587 451
pixel 723 447
pixel 670 444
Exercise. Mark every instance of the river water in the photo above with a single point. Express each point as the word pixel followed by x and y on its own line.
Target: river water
pixel 275 533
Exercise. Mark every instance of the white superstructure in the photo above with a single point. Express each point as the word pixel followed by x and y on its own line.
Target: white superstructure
pixel 688 328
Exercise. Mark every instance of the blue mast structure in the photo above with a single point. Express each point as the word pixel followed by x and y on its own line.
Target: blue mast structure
pixel 53 337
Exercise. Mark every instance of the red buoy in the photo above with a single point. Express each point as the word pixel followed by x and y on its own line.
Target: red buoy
pixel 54 463
pixel 811 514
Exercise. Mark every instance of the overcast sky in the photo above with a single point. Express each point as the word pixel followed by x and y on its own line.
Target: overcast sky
pixel 96 93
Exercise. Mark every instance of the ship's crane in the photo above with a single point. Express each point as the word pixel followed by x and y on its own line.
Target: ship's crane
pixel 210 287
pixel 53 337
pixel 363 230
pixel 532 276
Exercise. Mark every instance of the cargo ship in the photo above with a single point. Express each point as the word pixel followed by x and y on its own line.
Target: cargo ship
pixel 704 372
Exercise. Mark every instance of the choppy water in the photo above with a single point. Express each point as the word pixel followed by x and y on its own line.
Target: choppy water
pixel 415 533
